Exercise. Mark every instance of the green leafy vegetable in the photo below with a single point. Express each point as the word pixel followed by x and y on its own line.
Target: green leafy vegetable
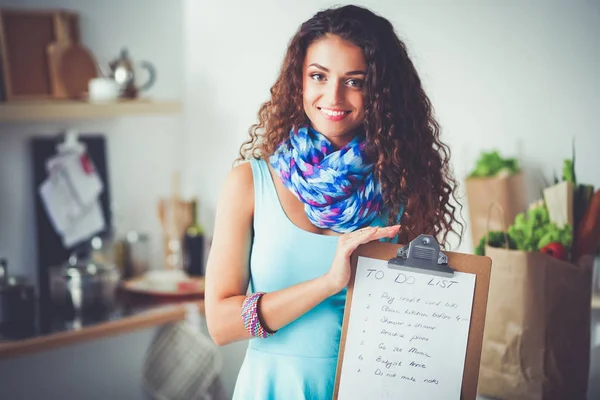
pixel 495 239
pixel 533 230
pixel 491 164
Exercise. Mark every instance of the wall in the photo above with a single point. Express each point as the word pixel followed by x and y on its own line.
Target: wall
pixel 142 153
pixel 517 76
pixel 514 76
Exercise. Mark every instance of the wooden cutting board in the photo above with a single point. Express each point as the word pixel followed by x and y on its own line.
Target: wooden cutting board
pixel 24 38
pixel 71 68
pixel 55 51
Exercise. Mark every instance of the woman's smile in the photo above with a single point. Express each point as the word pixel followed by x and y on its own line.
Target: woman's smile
pixel 334 114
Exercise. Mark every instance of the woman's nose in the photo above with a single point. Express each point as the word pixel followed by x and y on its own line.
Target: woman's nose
pixel 335 92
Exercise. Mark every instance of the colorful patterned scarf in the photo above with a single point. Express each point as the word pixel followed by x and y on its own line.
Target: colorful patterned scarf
pixel 337 187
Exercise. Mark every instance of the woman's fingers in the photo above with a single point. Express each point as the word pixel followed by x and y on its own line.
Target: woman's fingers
pixel 352 240
pixel 368 234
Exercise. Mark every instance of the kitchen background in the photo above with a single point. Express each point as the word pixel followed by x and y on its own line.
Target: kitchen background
pixel 520 77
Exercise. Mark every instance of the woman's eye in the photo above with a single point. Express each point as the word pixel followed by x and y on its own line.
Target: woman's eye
pixel 317 77
pixel 357 83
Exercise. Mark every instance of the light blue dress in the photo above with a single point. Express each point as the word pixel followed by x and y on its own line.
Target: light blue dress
pixel 299 361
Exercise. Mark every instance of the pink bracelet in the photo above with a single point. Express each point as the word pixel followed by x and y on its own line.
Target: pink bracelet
pixel 250 316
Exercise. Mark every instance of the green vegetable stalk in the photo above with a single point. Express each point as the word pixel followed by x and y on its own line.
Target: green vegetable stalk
pixel 568 171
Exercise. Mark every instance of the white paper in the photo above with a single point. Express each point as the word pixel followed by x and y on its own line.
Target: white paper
pixel 83 180
pixel 90 222
pixel 60 203
pixel 407 334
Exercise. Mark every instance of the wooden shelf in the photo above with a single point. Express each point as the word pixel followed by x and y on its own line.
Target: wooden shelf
pixel 33 111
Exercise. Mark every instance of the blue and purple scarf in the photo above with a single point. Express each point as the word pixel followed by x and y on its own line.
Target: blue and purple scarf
pixel 337 187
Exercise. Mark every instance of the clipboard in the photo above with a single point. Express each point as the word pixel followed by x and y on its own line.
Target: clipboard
pixel 423 255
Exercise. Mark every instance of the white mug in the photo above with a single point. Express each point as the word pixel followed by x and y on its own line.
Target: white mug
pixel 103 90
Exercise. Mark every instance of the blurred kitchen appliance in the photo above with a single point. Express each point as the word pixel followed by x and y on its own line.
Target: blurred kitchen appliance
pixel 17 301
pixel 81 286
pixel 132 254
pixel 124 71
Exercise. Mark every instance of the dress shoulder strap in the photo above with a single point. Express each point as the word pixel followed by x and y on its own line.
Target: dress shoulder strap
pixel 265 194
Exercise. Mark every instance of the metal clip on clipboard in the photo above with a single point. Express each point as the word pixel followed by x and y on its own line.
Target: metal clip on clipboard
pixel 422 255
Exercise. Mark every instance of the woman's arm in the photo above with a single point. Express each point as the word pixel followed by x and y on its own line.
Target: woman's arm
pixel 227 272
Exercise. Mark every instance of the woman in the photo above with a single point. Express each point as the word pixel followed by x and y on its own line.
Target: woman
pixel 346 148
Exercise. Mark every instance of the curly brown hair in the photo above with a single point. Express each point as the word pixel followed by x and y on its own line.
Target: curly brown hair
pixel 402 135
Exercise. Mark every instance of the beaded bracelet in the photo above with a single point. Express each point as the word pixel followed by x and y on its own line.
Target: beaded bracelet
pixel 250 316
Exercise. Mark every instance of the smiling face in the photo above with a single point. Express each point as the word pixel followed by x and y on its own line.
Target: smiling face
pixel 333 77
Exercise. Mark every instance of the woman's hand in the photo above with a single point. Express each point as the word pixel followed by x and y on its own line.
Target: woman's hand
pixel 339 273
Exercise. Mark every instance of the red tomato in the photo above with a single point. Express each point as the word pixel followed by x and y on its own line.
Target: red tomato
pixel 555 249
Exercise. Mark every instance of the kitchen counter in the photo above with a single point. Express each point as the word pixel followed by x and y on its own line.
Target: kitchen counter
pixel 133 312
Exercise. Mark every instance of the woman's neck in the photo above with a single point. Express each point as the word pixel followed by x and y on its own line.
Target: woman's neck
pixel 340 141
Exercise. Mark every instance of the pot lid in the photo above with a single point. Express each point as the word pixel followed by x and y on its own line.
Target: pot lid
pixel 76 266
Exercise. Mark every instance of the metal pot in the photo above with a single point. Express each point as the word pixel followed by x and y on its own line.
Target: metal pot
pixel 83 287
pixel 17 301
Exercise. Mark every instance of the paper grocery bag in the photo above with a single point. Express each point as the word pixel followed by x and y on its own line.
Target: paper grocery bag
pixel 536 342
pixel 507 191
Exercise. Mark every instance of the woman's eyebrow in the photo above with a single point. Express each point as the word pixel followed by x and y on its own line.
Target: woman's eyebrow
pixel 356 72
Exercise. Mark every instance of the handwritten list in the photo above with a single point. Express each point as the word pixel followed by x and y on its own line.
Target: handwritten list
pixel 407 334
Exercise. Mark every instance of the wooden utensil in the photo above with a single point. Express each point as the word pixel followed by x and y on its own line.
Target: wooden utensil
pixel 77 67
pixel 71 65
pixel 175 216
pixel 54 54
pixel 24 37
